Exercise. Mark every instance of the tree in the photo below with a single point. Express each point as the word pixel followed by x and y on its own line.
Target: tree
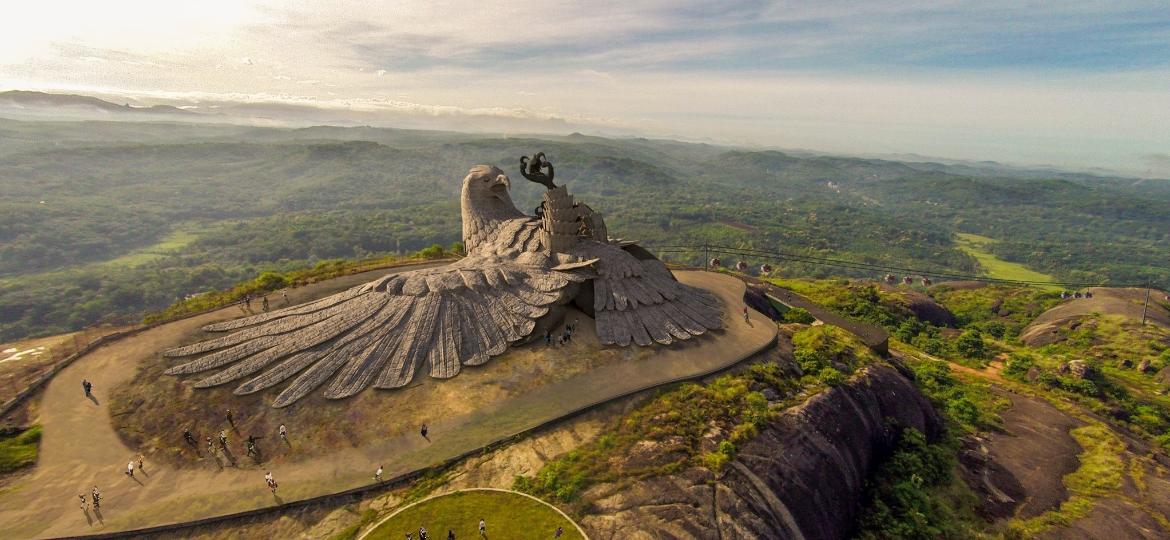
pixel 970 345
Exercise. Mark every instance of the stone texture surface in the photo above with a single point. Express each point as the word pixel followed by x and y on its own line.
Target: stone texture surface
pixel 518 271
pixel 802 477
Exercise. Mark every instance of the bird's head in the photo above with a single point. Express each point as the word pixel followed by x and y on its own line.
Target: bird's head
pixel 485 200
pixel 486 188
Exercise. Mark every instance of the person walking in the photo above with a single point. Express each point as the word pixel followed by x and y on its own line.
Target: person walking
pixel 283 433
pixel 378 474
pixel 423 430
pixel 482 528
pixel 85 385
pixel 231 419
pixel 223 441
pixel 450 534
pixel 264 303
pixel 284 296
pixel 250 444
pixel 96 497
pixel 140 460
pixel 270 481
pixel 83 505
pixel 187 436
pixel 560 531
pixel 422 533
pixel 130 469
pixel 745 314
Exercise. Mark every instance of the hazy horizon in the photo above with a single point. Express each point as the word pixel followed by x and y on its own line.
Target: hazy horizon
pixel 1080 85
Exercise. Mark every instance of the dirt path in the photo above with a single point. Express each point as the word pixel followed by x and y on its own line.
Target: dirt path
pixel 80 447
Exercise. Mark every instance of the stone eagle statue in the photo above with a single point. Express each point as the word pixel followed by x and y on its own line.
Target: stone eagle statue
pixel 519 274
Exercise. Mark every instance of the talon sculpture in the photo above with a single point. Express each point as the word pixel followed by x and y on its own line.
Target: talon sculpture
pixel 535 168
pixel 519 274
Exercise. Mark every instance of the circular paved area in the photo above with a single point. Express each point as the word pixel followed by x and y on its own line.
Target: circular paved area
pixel 80 448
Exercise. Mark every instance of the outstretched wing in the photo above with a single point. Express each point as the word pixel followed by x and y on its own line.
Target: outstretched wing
pixel 638 300
pixel 381 332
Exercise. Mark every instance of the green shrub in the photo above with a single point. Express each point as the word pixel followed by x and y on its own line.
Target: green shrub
pixel 270 281
pixel 963 410
pixel 901 496
pixel 798 315
pixel 830 376
pixel 930 342
pixel 1083 387
pixel 1018 365
pixel 995 329
pixel 19 450
pixel 433 252
pixel 970 345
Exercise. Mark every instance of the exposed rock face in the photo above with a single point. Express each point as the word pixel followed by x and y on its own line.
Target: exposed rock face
pixel 801 477
pixel 926 309
pixel 1049 327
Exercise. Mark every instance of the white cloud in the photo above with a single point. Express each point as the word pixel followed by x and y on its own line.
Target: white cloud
pixel 812 75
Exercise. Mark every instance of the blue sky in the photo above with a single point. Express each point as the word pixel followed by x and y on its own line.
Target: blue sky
pixel 1076 84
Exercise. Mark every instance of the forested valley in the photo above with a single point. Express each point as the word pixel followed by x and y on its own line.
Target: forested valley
pixel 104 222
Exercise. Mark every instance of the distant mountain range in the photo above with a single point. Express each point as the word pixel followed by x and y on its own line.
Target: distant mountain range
pixel 33 101
pixel 33 105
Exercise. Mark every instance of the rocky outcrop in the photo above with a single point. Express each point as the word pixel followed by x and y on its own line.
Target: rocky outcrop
pixel 801 477
pixel 1053 325
pixel 1078 369
pixel 927 310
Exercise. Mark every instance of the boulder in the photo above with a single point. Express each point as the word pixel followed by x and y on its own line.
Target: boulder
pixel 803 476
pixel 1163 376
pixel 1125 363
pixel 1080 369
pixel 1032 374
pixel 926 309
pixel 1144 366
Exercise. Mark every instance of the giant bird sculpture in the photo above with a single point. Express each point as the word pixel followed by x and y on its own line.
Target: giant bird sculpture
pixel 519 274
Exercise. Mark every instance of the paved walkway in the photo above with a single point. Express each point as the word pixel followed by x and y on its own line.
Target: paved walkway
pixel 80 448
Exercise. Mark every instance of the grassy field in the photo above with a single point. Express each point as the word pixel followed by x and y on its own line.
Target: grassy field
pixel 508 515
pixel 168 245
pixel 976 246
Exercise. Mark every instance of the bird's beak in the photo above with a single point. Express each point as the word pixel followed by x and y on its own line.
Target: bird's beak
pixel 500 186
